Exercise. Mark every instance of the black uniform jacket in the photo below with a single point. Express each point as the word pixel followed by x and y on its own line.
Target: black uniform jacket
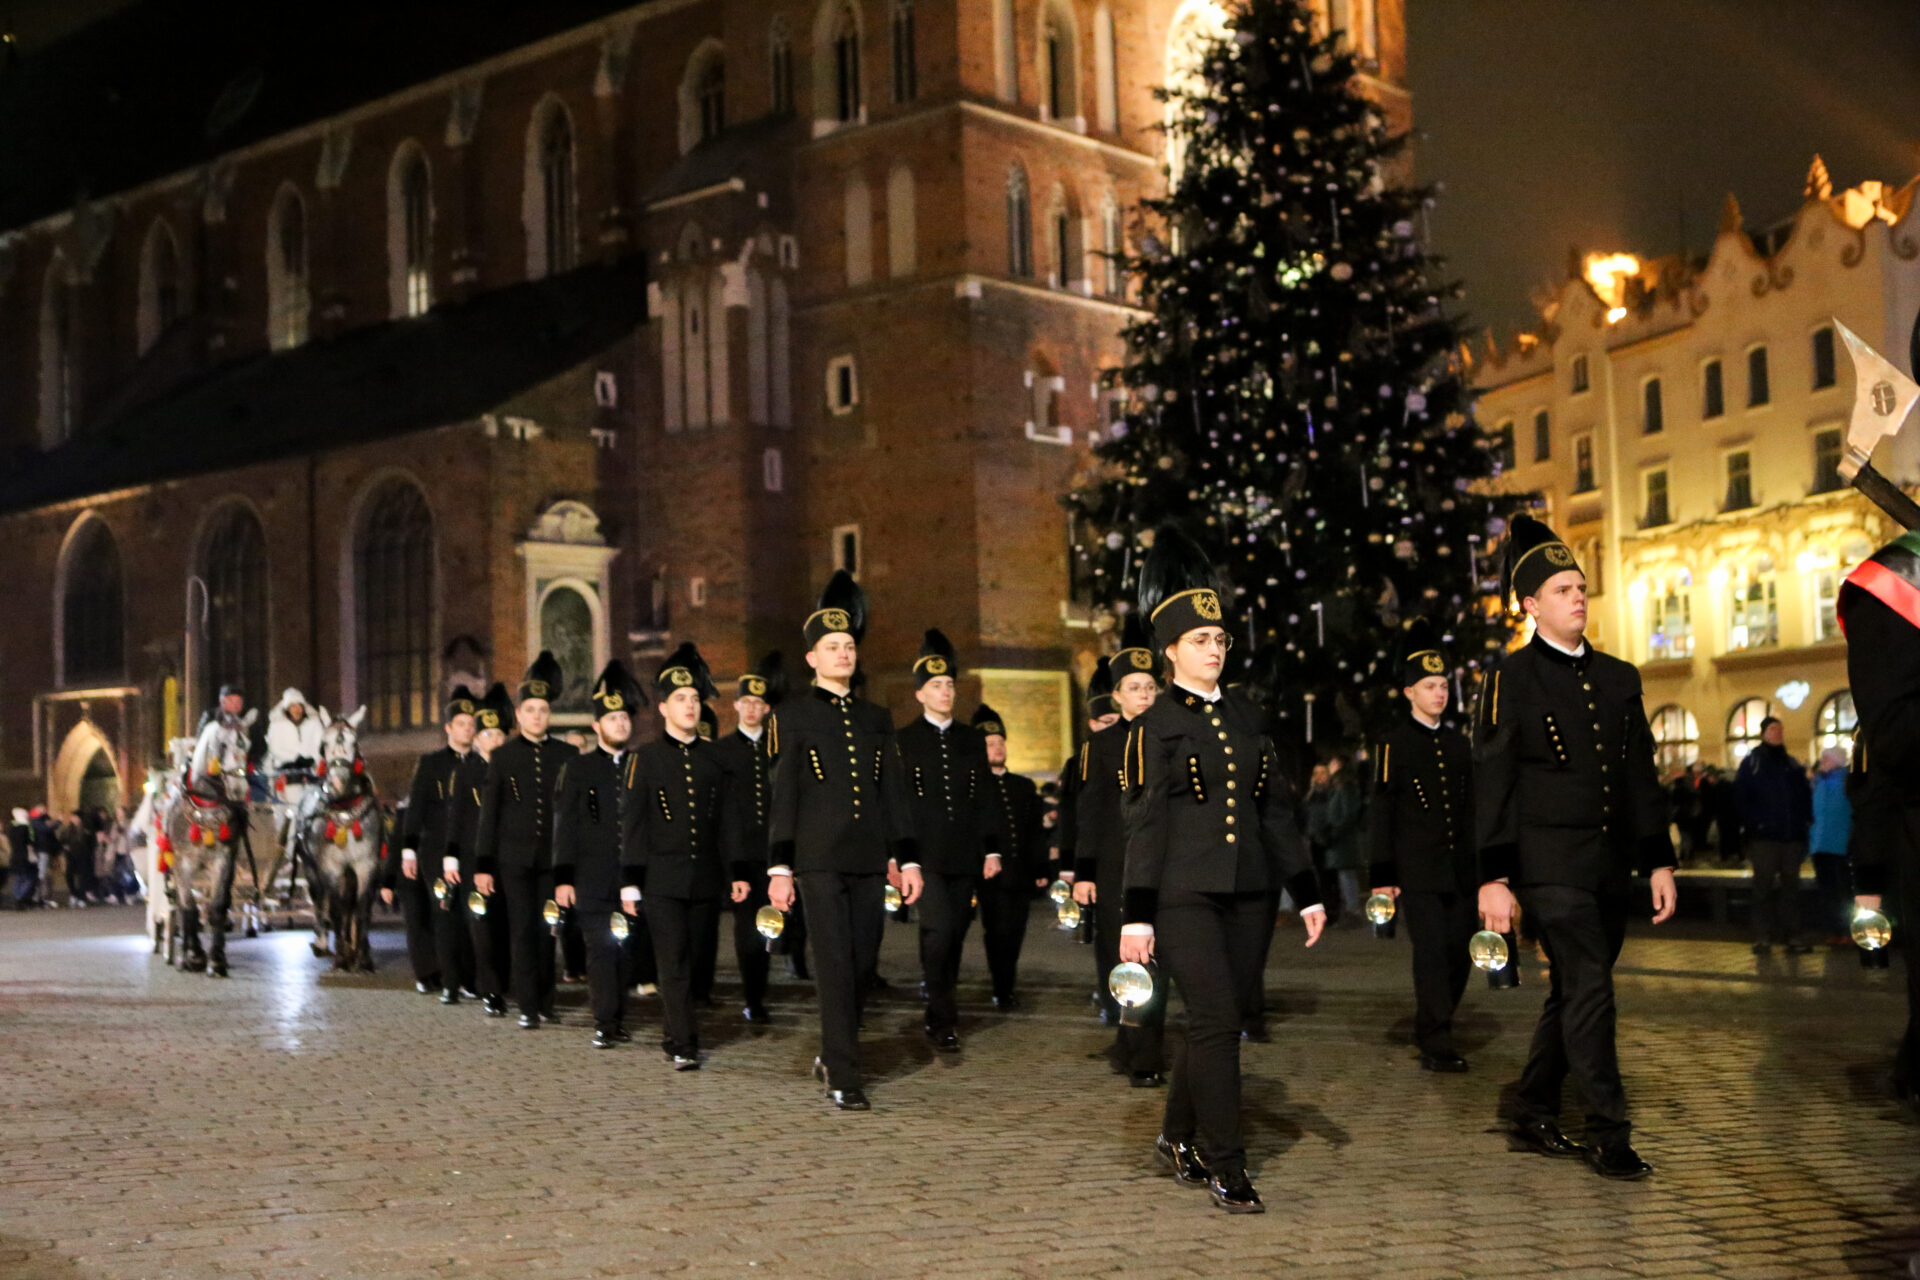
pixel 1420 817
pixel 430 800
pixel 588 807
pixel 516 804
pixel 839 790
pixel 1066 823
pixel 1883 670
pixel 1018 821
pixel 749 765
pixel 463 810
pixel 1100 834
pixel 682 837
pixel 1207 808
pixel 1564 783
pixel 948 784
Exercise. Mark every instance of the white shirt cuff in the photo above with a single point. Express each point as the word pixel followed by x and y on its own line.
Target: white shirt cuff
pixel 780 871
pixel 629 894
pixel 450 865
pixel 1136 931
pixel 1321 907
pixel 408 855
pixel 911 866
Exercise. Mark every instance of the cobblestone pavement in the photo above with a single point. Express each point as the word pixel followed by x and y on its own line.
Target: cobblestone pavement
pixel 293 1122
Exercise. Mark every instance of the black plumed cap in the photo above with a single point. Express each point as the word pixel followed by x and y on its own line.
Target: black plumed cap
pixel 543 679
pixel 842 608
pixel 460 702
pixel 767 681
pixel 1420 654
pixel 988 721
pixel 615 690
pixel 1137 653
pixel 936 658
pixel 1534 554
pixel 496 708
pixel 1178 588
pixel 685 669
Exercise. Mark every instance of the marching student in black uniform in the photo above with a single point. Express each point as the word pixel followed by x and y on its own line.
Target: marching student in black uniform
pixel 747 754
pixel 434 928
pixel 515 842
pixel 589 873
pixel 1880 608
pixel 1017 821
pixel 1210 835
pixel 682 843
pixel 839 817
pixel 706 951
pixel 1568 806
pixel 1420 835
pixel 1102 713
pixel 486 930
pixel 1138 1052
pixel 947 794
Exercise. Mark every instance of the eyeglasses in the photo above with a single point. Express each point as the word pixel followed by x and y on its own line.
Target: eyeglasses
pixel 1222 642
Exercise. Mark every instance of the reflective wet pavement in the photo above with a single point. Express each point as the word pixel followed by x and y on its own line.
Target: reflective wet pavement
pixel 289 1121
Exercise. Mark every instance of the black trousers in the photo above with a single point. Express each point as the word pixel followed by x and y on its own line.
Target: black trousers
pixel 1439 924
pixel 1582 931
pixel 529 939
pixel 946 909
pixel 609 962
pixel 1255 1013
pixel 453 937
pixel 415 897
pixel 845 912
pixel 1137 1050
pixel 677 925
pixel 1903 906
pixel 1006 901
pixel 1834 875
pixel 1210 945
pixel 492 946
pixel 706 957
pixel 573 945
pixel 749 948
pixel 1776 888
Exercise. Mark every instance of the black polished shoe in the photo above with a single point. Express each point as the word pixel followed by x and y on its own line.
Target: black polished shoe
pixel 1256 1032
pixel 494 1006
pixel 1448 1063
pixel 757 1015
pixel 605 1038
pixel 1006 1004
pixel 849 1099
pixel 686 1061
pixel 1618 1161
pixel 529 1022
pixel 1146 1080
pixel 426 988
pixel 451 995
pixel 1184 1160
pixel 1234 1192
pixel 1544 1136
pixel 623 1035
pixel 943 1039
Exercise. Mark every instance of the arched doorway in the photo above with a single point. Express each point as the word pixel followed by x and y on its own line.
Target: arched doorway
pixel 84 774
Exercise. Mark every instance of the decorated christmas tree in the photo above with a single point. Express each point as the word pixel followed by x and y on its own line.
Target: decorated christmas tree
pixel 1294 396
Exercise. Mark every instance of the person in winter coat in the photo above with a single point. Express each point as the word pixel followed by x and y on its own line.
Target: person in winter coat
pixel 1832 825
pixel 1345 837
pixel 1776 809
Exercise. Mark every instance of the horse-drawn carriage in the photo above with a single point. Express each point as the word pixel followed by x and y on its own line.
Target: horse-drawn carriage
pixel 218 838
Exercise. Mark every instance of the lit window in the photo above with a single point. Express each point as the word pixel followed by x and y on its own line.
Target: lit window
pixel 1658 512
pixel 1583 481
pixel 1753 613
pixel 288 298
pixel 1019 224
pixel 413 242
pixel 1827 446
pixel 1835 722
pixel 1743 728
pixel 1739 480
pixel 1670 605
pixel 1676 738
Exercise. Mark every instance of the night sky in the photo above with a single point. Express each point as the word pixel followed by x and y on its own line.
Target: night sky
pixel 1623 124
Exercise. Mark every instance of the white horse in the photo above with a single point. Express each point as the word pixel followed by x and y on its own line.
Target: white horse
pixel 340 834
pixel 201 831
pixel 146 826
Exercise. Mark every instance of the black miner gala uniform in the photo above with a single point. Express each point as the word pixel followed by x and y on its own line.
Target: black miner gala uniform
pixel 427 831
pixel 1017 820
pixel 1568 807
pixel 681 845
pixel 1880 608
pixel 1099 857
pixel 492 967
pixel 1420 834
pixel 706 953
pixel 516 841
pixel 749 764
pixel 1210 836
pixel 590 803
pixel 948 786
pixel 1066 835
pixel 839 813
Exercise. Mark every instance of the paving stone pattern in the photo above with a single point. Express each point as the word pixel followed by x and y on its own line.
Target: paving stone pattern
pixel 289 1121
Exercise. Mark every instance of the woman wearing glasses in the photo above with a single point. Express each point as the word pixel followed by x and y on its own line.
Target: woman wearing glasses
pixel 1210 838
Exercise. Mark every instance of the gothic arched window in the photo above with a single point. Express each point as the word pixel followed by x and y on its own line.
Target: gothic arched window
pixel 92 634
pixel 233 563
pixel 393 564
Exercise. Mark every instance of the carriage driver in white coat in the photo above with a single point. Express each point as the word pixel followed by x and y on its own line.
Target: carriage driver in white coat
pixel 293 734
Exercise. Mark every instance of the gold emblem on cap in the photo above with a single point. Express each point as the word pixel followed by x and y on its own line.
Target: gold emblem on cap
pixel 1141 659
pixel 835 619
pixel 1432 663
pixel 756 687
pixel 936 666
pixel 1557 554
pixel 614 702
pixel 461 707
pixel 679 677
pixel 489 720
pixel 1207 605
pixel 536 688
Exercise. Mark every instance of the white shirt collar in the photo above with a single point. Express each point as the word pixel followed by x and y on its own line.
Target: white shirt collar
pixel 1215 696
pixel 1571 653
pixel 938 724
pixel 751 735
